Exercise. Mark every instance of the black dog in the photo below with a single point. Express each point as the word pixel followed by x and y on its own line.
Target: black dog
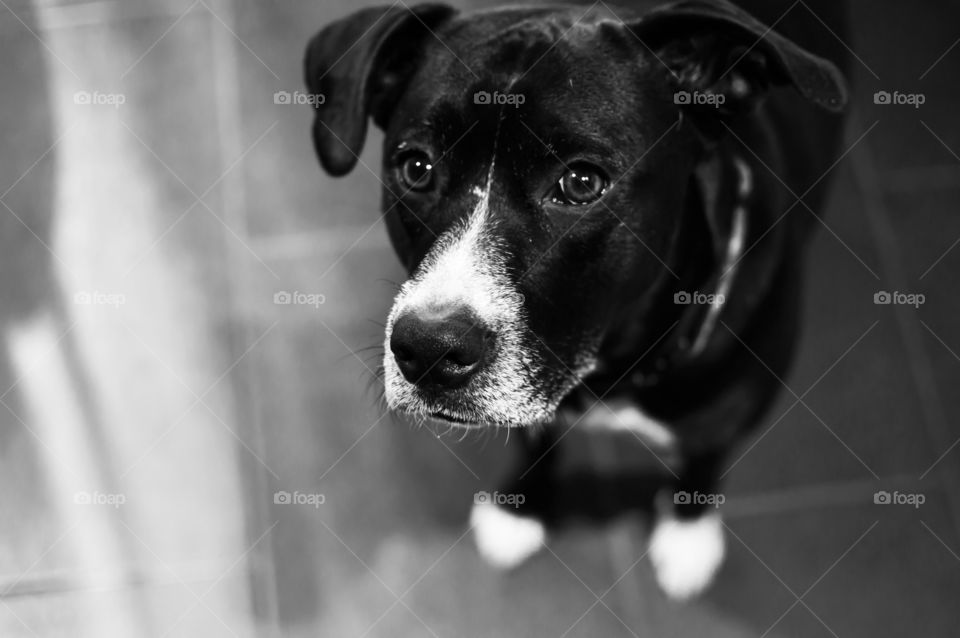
pixel 590 206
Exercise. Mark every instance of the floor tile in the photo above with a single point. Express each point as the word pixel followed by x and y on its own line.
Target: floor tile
pixel 878 572
pixel 175 608
pixel 849 348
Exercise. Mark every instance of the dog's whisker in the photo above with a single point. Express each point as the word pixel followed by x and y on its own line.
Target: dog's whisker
pixel 376 346
pixel 384 280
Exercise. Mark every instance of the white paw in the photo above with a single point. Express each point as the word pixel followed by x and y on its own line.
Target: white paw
pixel 504 539
pixel 686 554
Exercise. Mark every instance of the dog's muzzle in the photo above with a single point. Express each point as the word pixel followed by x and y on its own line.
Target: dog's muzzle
pixel 440 349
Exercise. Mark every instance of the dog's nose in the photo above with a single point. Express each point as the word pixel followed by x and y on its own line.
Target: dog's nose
pixel 439 348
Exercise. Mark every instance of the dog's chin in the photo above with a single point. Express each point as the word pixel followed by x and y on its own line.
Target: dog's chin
pixel 485 402
pixel 457 419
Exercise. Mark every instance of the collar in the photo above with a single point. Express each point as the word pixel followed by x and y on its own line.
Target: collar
pixel 726 185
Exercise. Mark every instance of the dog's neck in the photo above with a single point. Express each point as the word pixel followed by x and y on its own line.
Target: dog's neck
pixel 640 352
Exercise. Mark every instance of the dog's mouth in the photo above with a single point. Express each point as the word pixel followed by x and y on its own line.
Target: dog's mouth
pixel 465 412
pixel 444 417
pixel 508 390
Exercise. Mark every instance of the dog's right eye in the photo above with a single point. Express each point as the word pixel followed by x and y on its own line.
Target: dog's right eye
pixel 416 171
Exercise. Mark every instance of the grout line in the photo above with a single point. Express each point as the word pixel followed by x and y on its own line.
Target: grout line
pixel 936 426
pixel 121 579
pixel 808 497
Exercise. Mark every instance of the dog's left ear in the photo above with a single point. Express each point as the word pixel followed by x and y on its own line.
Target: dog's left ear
pixel 360 64
pixel 716 48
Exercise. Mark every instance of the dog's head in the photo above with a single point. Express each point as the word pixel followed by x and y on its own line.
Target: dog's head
pixel 536 167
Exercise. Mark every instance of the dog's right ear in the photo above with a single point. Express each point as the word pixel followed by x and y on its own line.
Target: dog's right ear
pixel 360 65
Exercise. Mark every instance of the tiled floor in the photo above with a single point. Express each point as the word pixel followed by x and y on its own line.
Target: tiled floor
pixel 147 361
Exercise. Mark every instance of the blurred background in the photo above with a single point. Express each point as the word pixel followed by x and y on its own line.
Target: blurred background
pixel 183 453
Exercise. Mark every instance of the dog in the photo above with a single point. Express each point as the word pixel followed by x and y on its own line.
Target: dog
pixel 590 203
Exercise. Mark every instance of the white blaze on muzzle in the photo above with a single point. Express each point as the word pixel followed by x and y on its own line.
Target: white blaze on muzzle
pixel 465 268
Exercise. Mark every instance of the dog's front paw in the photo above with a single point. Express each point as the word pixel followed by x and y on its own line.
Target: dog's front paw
pixel 686 554
pixel 504 539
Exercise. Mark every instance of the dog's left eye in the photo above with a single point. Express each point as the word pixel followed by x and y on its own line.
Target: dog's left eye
pixel 416 171
pixel 582 184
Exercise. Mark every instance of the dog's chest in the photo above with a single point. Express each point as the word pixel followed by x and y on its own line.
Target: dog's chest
pixel 620 416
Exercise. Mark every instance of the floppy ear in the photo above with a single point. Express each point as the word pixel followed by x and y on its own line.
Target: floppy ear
pixel 717 48
pixel 360 65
